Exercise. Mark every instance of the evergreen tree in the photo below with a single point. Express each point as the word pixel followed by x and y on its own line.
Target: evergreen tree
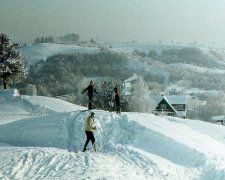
pixel 37 40
pixel 107 95
pixel 12 63
pixel 107 101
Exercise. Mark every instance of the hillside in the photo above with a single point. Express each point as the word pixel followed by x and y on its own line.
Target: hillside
pixel 47 144
pixel 36 52
pixel 164 69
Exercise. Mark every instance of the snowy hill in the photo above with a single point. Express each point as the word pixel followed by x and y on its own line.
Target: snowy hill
pixel 144 47
pixel 41 51
pixel 42 138
pixel 37 52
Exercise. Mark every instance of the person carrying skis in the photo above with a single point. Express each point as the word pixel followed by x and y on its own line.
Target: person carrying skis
pixel 89 128
pixel 117 100
pixel 90 90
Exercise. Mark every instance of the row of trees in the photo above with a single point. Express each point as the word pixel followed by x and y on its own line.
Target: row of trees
pixel 68 38
pixel 206 107
pixel 186 55
pixel 188 67
pixel 48 39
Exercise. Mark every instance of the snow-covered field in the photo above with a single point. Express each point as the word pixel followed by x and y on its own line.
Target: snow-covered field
pixel 195 68
pixel 42 138
pixel 42 51
pixel 144 47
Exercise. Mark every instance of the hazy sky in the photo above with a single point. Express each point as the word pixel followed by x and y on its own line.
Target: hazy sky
pixel 116 20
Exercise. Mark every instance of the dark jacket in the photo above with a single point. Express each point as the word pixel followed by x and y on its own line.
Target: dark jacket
pixel 117 97
pixel 90 90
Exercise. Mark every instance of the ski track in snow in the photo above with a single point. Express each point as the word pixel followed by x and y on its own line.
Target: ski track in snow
pixel 38 163
pixel 55 164
pixel 130 146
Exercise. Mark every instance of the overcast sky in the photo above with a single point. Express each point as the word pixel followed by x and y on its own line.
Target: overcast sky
pixel 116 20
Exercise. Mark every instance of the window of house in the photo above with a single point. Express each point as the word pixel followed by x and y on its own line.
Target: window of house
pixel 163 106
pixel 179 107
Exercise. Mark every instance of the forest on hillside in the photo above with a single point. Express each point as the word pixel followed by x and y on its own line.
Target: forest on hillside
pixel 61 74
pixel 68 74
pixel 185 55
pixel 188 67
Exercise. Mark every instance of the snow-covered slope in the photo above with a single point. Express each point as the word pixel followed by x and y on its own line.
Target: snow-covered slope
pixel 195 68
pixel 48 144
pixel 41 51
pixel 144 47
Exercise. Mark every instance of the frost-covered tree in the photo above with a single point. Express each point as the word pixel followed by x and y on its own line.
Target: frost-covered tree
pixel 140 97
pixel 12 63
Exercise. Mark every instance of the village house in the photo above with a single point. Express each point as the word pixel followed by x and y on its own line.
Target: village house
pixel 218 119
pixel 128 85
pixel 173 105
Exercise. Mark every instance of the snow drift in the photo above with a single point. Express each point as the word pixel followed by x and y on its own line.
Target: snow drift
pixel 46 143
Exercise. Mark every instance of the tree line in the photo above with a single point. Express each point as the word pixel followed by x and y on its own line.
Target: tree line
pixel 186 55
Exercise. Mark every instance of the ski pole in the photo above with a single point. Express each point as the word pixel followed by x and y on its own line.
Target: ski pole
pixel 93 104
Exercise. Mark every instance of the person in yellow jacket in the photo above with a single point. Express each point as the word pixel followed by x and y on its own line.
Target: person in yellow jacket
pixel 89 128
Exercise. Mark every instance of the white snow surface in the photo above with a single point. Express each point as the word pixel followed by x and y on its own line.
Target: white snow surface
pixel 42 138
pixel 36 52
pixel 197 68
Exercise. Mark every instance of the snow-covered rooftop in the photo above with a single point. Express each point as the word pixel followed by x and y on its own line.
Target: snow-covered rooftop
pixel 133 78
pixel 173 99
pixel 218 118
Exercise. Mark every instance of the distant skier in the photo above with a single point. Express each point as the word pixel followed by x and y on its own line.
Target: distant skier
pixel 90 90
pixel 89 128
pixel 117 100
